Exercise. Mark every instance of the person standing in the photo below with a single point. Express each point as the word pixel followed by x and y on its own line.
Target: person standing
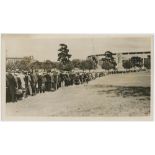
pixel 22 77
pixel 43 82
pixel 30 84
pixel 48 81
pixel 8 97
pixel 35 82
pixel 56 80
pixel 61 79
pixel 12 86
pixel 19 91
pixel 52 81
pixel 39 83
pixel 27 80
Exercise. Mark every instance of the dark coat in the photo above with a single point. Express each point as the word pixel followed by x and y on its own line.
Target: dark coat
pixel 12 82
pixel 12 85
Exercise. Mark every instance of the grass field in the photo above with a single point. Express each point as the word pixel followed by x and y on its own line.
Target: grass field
pixel 108 96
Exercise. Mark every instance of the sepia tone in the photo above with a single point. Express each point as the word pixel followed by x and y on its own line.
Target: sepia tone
pixel 77 77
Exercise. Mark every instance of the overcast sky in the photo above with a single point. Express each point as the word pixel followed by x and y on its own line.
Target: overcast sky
pixel 44 47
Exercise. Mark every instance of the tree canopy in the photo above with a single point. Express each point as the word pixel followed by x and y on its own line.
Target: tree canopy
pixel 136 61
pixel 76 63
pixel 87 65
pixel 127 64
pixel 108 62
pixel 63 55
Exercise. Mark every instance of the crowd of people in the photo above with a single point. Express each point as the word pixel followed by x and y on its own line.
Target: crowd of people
pixel 21 84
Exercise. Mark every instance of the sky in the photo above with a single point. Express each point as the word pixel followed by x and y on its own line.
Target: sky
pixel 45 47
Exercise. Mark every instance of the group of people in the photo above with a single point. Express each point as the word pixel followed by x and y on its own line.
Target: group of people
pixel 21 84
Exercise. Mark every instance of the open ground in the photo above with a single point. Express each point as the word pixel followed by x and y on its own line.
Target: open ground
pixel 109 96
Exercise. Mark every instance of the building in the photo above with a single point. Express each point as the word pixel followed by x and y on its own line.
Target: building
pixel 15 59
pixel 121 57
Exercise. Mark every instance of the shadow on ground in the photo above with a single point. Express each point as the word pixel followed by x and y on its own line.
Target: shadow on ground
pixel 125 91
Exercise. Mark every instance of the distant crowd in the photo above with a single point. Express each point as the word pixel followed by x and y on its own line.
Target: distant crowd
pixel 21 84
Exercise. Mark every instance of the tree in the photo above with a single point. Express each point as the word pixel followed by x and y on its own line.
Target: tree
pixel 59 66
pixel 108 62
pixel 76 63
pixel 83 65
pixel 63 55
pixel 127 64
pixel 90 64
pixel 64 58
pixel 95 60
pixel 48 65
pixel 68 67
pixel 136 61
pixel 36 65
pixel 87 64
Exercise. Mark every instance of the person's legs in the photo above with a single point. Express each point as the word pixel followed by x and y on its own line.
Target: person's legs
pixel 8 97
pixel 40 90
pixel 13 95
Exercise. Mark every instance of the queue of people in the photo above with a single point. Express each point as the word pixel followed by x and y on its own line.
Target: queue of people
pixel 21 84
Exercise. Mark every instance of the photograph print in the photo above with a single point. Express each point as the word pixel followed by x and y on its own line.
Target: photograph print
pixel 76 77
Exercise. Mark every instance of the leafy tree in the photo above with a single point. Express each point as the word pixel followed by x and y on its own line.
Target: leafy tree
pixel 90 64
pixel 87 64
pixel 76 63
pixel 36 65
pixel 83 65
pixel 59 66
pixel 63 55
pixel 64 58
pixel 48 65
pixel 68 67
pixel 127 64
pixel 108 62
pixel 25 63
pixel 136 61
pixel 95 60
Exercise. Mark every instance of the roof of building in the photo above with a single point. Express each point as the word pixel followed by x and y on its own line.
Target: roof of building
pixel 124 53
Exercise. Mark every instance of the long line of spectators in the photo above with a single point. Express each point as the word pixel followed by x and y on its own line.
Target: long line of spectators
pixel 21 84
